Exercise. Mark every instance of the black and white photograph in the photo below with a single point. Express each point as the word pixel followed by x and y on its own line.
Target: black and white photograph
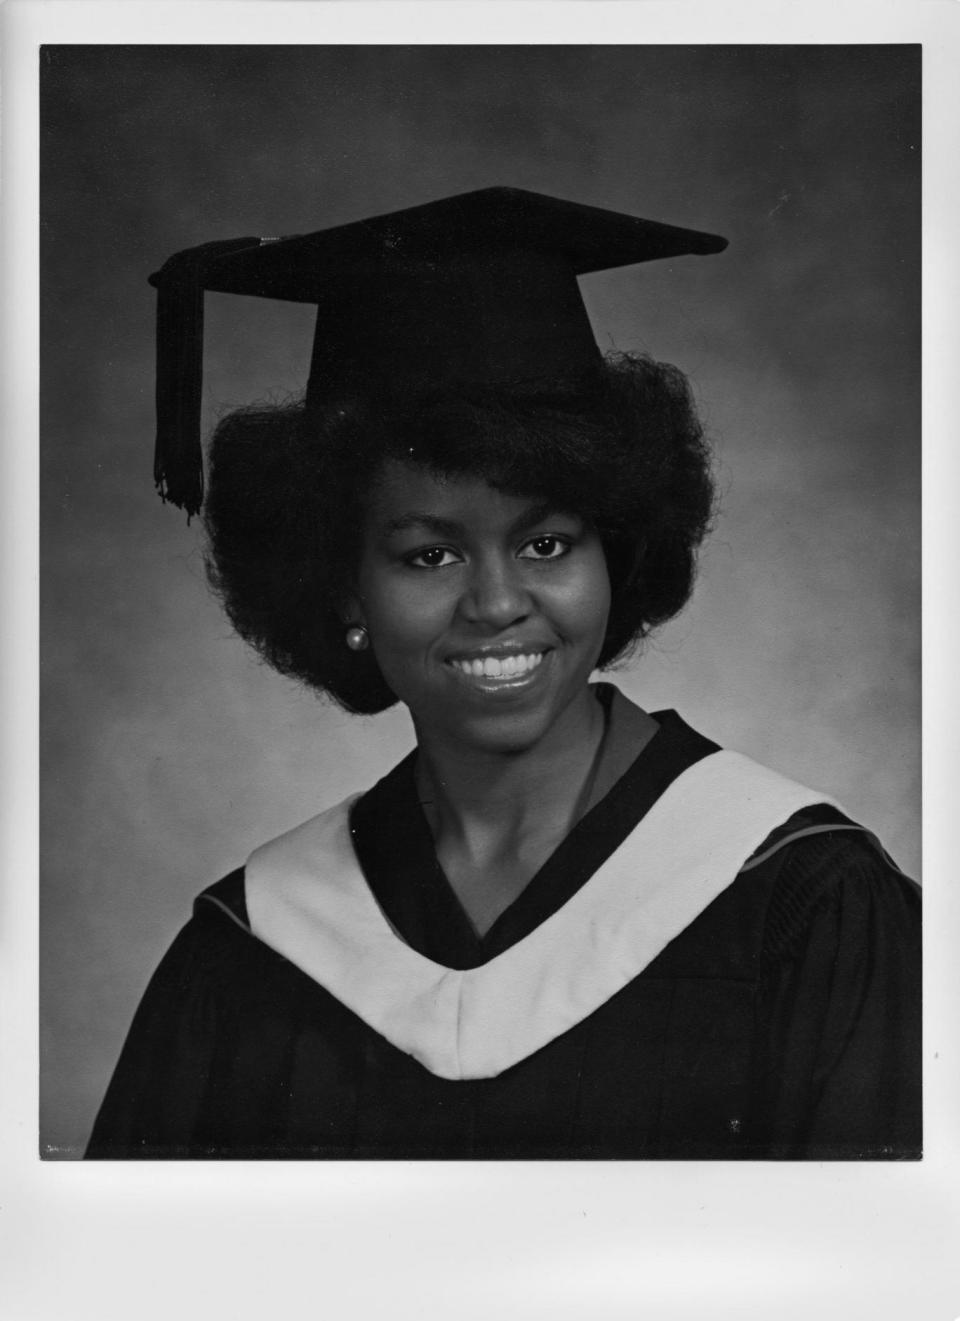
pixel 481 588
pixel 481 623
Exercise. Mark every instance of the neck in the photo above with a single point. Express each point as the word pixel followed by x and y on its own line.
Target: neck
pixel 468 791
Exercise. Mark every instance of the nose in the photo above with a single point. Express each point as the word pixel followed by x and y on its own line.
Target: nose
pixel 495 594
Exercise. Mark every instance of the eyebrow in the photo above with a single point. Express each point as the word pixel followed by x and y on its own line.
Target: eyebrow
pixel 448 527
pixel 440 527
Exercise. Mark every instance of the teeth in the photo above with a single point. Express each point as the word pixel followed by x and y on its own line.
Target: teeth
pixel 492 667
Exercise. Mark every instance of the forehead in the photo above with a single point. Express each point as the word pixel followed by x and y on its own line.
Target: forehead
pixel 403 491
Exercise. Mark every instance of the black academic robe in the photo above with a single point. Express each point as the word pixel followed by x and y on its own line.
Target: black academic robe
pixel 783 1022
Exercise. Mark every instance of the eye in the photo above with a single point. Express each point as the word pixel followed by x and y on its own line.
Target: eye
pixel 545 548
pixel 432 557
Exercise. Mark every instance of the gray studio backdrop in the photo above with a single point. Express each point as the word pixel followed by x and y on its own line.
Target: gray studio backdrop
pixel 168 751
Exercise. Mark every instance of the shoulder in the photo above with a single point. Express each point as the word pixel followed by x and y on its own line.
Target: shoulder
pixel 224 901
pixel 822 872
pixel 223 937
pixel 817 878
pixel 213 941
pixel 809 852
pixel 217 961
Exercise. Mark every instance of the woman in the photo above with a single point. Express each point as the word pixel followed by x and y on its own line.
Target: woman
pixel 562 926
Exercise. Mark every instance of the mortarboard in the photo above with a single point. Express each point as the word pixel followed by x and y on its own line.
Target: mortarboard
pixel 476 288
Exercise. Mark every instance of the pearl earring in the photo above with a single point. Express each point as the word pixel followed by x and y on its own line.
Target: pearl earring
pixel 357 638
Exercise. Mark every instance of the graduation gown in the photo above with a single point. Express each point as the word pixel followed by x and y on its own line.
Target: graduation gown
pixel 782 1020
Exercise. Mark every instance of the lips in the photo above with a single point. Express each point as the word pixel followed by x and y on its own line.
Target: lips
pixel 512 666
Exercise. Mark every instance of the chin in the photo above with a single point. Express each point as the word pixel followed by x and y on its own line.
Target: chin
pixel 507 733
pixel 507 737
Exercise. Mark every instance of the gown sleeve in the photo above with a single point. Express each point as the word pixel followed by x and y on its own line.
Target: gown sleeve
pixel 839 1006
pixel 154 1100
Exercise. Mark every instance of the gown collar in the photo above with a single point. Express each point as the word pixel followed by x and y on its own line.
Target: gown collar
pixel 309 901
pixel 395 848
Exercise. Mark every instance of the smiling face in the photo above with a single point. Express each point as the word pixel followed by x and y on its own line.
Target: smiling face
pixel 486 611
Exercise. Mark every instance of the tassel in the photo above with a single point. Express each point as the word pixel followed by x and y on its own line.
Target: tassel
pixel 178 456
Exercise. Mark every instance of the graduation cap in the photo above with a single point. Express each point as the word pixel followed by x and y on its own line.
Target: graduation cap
pixel 476 288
